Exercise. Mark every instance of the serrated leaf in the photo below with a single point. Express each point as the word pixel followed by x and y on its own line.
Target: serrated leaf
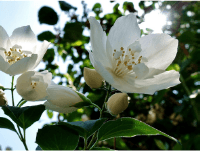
pixel 55 137
pixel 85 129
pixel 48 16
pixel 127 127
pixel 24 116
pixel 5 123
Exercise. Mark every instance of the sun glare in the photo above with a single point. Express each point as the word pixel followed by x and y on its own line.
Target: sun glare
pixel 155 21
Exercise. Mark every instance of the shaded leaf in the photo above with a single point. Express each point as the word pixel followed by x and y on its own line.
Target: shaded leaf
pixel 46 35
pixel 66 6
pixel 55 137
pixel 5 123
pixel 127 127
pixel 48 16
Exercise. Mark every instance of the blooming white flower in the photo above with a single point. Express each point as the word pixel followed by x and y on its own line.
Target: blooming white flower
pixel 32 85
pixel 129 63
pixel 61 98
pixel 20 52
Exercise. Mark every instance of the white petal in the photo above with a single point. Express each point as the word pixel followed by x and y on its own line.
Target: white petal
pixel 3 37
pixel 50 106
pixel 62 96
pixel 161 81
pixel 98 42
pixel 43 76
pixel 24 37
pixel 26 90
pixel 41 50
pixel 141 70
pixel 106 73
pixel 152 72
pixel 135 47
pixel 159 49
pixel 22 65
pixel 124 32
pixel 3 64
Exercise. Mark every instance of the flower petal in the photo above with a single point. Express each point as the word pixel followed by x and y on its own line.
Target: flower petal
pixel 141 70
pixel 24 37
pixel 124 32
pixel 159 82
pixel 62 96
pixel 3 64
pixel 159 49
pixel 40 51
pixel 25 89
pixel 3 37
pixel 50 106
pixel 22 65
pixel 98 42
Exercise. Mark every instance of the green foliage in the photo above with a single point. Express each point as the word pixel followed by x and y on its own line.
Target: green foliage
pixel 84 129
pixel 127 127
pixel 46 35
pixel 24 116
pixel 48 16
pixel 5 123
pixel 55 137
pixel 66 6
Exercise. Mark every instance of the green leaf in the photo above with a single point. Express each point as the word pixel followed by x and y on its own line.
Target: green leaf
pixel 5 123
pixel 48 16
pixel 160 144
pixel 55 137
pixel 24 116
pixel 50 113
pixel 127 127
pixel 46 35
pixel 73 31
pixel 66 6
pixel 85 129
pixel 97 9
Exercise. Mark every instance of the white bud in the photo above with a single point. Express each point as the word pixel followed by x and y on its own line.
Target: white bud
pixel 92 78
pixel 117 103
pixel 3 100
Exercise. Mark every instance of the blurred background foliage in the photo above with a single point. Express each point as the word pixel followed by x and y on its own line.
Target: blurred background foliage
pixel 175 111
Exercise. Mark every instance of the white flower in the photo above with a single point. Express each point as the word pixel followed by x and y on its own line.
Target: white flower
pixel 20 52
pixel 129 63
pixel 60 98
pixel 33 85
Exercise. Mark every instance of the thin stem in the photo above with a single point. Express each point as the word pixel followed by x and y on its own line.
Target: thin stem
pixel 22 103
pixel 101 114
pixel 25 139
pixel 97 107
pixel 85 143
pixel 12 90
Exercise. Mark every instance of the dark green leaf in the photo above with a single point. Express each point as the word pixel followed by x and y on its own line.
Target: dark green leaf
pixel 46 35
pixel 55 137
pixel 5 123
pixel 24 116
pixel 38 148
pixel 127 127
pixel 48 16
pixel 85 129
pixel 66 6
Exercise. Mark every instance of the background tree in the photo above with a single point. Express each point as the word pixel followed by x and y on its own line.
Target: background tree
pixel 174 111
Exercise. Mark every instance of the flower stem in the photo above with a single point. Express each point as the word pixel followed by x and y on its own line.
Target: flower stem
pixel 12 91
pixel 90 146
pixel 85 143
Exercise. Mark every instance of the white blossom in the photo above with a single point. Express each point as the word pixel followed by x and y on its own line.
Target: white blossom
pixel 3 99
pixel 32 85
pixel 61 98
pixel 129 63
pixel 20 52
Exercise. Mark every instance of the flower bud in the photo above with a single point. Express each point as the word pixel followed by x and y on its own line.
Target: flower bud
pixel 117 103
pixel 92 78
pixel 3 100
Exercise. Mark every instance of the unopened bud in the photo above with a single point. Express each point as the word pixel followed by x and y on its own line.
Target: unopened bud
pixel 3 100
pixel 117 103
pixel 92 78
